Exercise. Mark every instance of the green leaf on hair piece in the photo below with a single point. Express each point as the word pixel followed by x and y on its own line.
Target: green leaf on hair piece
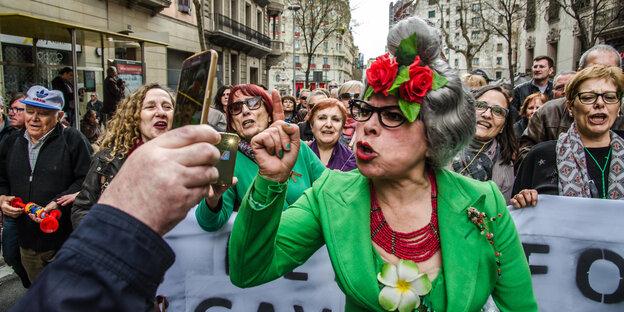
pixel 409 109
pixel 368 93
pixel 438 82
pixel 407 51
pixel 402 77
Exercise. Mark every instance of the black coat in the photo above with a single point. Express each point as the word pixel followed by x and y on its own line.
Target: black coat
pixel 112 95
pixel 61 167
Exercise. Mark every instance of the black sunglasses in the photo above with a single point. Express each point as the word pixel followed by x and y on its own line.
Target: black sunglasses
pixel 389 116
pixel 252 103
pixel 348 96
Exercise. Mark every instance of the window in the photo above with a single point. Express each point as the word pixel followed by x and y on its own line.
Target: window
pixel 499 61
pixel 431 14
pixel 457 9
pixel 312 60
pixel 277 78
pixel 296 44
pixel 325 45
pixel 432 2
pixel 499 47
pixel 325 61
pixel 283 28
pixel 184 6
pixel 259 21
pixel 501 19
pixel 447 24
pixel 529 23
pixel 499 75
pixel 475 61
pixel 476 21
pixel 456 36
pixel 476 7
pixel 476 35
pixel 297 59
pixel 457 23
pixel 339 61
pixel 448 11
pixel 456 62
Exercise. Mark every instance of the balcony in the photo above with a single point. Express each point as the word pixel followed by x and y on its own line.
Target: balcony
pixel 326 66
pixel 275 8
pixel 298 65
pixel 612 23
pixel 231 34
pixel 155 5
pixel 277 53
pixel 312 66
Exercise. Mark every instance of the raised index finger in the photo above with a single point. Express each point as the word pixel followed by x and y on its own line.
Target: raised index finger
pixel 187 135
pixel 278 111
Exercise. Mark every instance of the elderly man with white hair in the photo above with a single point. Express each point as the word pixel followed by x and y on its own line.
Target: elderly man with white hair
pixel 46 164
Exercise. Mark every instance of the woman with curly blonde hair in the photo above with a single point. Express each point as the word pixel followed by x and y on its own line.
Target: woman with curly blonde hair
pixel 144 115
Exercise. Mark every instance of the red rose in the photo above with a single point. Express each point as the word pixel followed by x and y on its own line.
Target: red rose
pixel 421 81
pixel 382 73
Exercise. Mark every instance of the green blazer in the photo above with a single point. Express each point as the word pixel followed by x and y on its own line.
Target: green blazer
pixel 266 243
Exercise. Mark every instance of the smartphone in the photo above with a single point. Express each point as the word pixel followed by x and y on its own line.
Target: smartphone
pixel 195 89
pixel 228 147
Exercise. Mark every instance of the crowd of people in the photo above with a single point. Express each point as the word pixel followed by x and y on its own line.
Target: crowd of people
pixel 396 172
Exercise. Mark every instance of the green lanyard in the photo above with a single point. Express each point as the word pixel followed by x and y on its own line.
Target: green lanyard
pixel 602 170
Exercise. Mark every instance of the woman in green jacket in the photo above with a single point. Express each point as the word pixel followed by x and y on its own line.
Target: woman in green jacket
pixel 402 232
pixel 248 111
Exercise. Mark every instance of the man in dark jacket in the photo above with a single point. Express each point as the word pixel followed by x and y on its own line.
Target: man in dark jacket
pixel 63 83
pixel 112 94
pixel 543 67
pixel 45 164
pixel 553 118
pixel 116 258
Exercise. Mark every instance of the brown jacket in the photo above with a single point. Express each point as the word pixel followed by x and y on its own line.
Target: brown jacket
pixel 547 123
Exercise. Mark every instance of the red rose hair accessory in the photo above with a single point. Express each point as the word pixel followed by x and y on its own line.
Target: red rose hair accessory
pixel 403 77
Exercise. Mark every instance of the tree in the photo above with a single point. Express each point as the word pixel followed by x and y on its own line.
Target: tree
pixel 318 20
pixel 473 34
pixel 592 17
pixel 502 17
pixel 199 14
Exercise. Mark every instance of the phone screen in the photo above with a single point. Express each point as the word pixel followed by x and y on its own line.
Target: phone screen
pixel 195 80
pixel 228 147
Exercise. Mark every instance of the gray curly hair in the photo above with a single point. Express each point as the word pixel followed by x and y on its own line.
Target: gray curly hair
pixel 448 113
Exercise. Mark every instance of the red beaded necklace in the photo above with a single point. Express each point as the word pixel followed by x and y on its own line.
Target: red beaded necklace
pixel 417 246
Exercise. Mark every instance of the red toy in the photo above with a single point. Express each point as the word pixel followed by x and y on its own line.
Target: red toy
pixel 49 224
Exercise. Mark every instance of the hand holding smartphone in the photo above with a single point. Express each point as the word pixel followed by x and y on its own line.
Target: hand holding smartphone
pixel 228 147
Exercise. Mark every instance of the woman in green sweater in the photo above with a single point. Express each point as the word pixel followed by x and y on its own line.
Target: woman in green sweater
pixel 249 112
pixel 402 232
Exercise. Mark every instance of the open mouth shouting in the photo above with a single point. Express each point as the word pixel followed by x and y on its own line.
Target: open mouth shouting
pixel 365 151
pixel 485 124
pixel 598 119
pixel 160 125
pixel 248 123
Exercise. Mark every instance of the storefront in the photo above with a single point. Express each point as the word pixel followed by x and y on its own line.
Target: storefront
pixel 34 49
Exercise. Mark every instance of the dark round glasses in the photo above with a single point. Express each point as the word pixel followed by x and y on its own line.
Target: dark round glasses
pixel 389 116
pixel 252 103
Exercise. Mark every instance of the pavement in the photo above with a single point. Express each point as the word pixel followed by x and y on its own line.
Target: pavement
pixel 11 287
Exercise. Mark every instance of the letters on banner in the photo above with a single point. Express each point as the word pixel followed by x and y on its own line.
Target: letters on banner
pixel 575 249
pixel 199 278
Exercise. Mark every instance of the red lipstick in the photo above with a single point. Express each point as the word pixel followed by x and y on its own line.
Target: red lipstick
pixel 364 151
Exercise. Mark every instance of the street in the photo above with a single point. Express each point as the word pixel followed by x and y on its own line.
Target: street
pixel 11 288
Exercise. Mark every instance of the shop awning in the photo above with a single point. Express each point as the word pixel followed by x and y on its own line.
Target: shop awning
pixel 42 28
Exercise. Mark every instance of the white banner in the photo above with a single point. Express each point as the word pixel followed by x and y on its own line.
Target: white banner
pixel 198 280
pixel 575 248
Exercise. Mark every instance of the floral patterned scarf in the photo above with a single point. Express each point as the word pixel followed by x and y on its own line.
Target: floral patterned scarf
pixel 574 180
pixel 245 148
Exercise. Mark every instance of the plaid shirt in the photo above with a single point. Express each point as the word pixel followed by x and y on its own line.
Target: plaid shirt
pixel 34 148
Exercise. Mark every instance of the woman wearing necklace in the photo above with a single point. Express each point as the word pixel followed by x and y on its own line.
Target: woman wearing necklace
pixel 250 110
pixel 588 159
pixel 402 232
pixel 489 156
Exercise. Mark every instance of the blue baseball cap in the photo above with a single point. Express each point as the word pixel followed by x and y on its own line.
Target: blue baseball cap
pixel 42 97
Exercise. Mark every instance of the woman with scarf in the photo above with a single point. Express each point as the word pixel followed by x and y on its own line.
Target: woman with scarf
pixel 489 156
pixel 249 112
pixel 401 230
pixel 587 160
pixel 140 117
pixel 289 105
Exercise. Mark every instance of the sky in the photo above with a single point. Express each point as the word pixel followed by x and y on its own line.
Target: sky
pixel 371 26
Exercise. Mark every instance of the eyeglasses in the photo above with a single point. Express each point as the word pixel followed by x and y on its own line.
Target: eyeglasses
pixel 389 116
pixel 590 98
pixel 303 97
pixel 333 86
pixel 15 109
pixel 559 87
pixel 497 111
pixel 252 103
pixel 348 96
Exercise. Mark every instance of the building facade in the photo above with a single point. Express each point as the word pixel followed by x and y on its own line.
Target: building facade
pixel 334 60
pixel 237 29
